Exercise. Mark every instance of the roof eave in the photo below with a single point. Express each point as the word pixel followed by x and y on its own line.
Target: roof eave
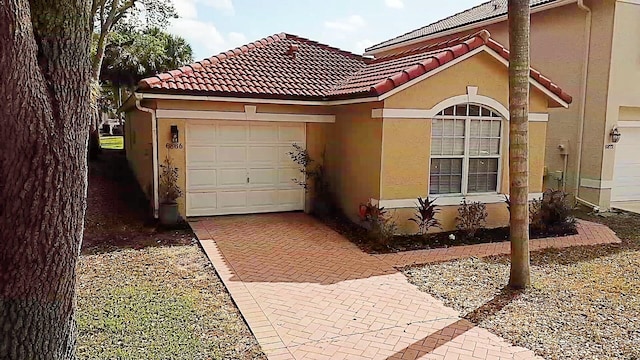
pixel 372 51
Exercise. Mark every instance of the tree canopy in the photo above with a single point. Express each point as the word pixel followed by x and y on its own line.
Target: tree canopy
pixel 136 54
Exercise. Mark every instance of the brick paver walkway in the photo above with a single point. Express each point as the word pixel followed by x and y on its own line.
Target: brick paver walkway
pixel 308 293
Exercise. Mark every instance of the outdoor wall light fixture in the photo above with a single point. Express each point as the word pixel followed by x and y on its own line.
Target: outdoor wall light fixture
pixel 174 134
pixel 615 135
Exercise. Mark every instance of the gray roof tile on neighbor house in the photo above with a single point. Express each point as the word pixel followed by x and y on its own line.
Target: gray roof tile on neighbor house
pixel 485 11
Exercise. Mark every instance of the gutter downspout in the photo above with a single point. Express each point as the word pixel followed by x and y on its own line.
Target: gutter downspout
pixel 583 103
pixel 154 151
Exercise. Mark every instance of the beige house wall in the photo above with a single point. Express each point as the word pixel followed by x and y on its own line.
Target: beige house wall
pixel 406 142
pixel 558 46
pixel 623 103
pixel 353 156
pixel 138 147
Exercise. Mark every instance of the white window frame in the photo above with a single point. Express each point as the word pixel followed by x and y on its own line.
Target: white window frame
pixel 466 157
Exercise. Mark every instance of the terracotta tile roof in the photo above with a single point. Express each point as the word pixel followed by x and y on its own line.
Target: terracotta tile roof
pixel 485 11
pixel 281 65
pixel 267 68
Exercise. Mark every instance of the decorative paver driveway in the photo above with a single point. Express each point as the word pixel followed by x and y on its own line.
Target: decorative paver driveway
pixel 308 293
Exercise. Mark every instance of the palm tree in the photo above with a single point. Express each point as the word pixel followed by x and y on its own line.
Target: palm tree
pixel 519 26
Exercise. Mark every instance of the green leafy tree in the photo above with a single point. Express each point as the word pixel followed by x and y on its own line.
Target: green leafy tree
pixel 135 54
pixel 110 15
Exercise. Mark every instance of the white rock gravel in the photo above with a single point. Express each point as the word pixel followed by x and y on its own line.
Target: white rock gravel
pixel 584 302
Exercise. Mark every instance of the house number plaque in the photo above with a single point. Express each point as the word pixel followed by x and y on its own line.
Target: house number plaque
pixel 174 146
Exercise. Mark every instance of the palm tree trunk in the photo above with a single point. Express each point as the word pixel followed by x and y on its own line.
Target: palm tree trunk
pixel 519 26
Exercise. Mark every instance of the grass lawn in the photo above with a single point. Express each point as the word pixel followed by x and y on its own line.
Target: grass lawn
pixel 144 292
pixel 157 303
pixel 584 302
pixel 112 142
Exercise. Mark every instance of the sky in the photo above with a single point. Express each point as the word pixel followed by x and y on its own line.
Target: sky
pixel 214 26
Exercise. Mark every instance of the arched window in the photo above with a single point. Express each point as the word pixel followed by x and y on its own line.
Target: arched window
pixel 465 150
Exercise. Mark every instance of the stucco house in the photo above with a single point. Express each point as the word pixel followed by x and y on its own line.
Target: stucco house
pixel 590 47
pixel 430 121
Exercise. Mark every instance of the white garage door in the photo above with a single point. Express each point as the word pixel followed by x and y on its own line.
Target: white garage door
pixel 627 168
pixel 240 167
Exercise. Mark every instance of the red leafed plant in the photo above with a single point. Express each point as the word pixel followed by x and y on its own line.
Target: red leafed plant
pixel 425 215
pixel 381 226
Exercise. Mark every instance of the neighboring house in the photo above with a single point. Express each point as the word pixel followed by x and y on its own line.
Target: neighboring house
pixel 591 48
pixel 429 122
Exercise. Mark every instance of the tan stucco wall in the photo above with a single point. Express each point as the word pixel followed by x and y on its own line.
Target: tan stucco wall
pixel 406 142
pixel 400 179
pixel 138 148
pixel 177 156
pixel 498 216
pixel 558 44
pixel 354 152
pixel 316 147
pixel 623 103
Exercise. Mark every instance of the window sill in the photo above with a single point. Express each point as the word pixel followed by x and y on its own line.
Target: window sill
pixel 447 200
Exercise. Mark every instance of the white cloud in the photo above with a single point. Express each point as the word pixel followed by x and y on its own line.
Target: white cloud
pixel 361 45
pixel 189 9
pixel 203 37
pixel 186 8
pixel 351 23
pixel 236 39
pixel 224 5
pixel 395 4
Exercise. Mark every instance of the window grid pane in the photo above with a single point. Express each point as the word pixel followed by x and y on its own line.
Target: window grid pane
pixel 446 176
pixel 483 175
pixel 447 137
pixel 483 127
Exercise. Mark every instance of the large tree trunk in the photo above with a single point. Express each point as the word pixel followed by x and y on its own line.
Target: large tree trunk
pixel 44 97
pixel 519 24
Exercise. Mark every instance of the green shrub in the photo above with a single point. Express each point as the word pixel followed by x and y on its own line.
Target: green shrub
pixel 425 216
pixel 472 216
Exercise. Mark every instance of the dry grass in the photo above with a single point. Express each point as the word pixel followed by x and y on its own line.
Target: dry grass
pixel 584 302
pixel 157 303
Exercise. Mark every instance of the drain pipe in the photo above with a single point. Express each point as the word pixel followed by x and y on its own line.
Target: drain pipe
pixel 154 151
pixel 583 103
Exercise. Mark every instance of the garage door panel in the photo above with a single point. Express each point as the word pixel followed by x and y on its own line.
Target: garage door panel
pixel 231 155
pixel 284 156
pixel 291 197
pixel 232 199
pixel 263 133
pixel 202 203
pixel 200 133
pixel 263 177
pixel 288 176
pixel 263 198
pixel 291 133
pixel 267 155
pixel 230 132
pixel 627 166
pixel 242 167
pixel 200 179
pixel 230 177
pixel 201 156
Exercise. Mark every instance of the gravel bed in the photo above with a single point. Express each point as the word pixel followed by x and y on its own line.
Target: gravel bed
pixel 157 303
pixel 584 303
